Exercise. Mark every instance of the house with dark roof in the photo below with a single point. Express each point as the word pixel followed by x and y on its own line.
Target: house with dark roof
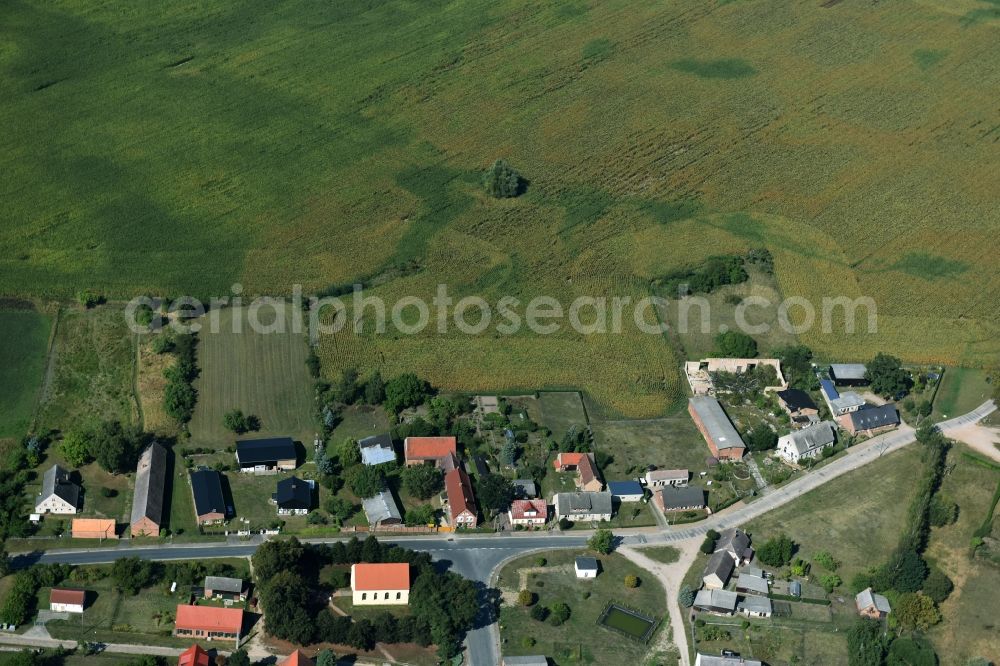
pixel 377 449
pixel 223 587
pixel 150 487
pixel 525 489
pixel 684 498
pixel 798 404
pixel 715 601
pixel 209 502
pixel 381 509
pixel 59 494
pixel 626 491
pixel 294 497
pixel 586 567
pixel 735 543
pixel 849 374
pixel 461 510
pixel 583 506
pixel 752 584
pixel 266 454
pixel 808 442
pixel 870 420
pixel 720 435
pixel 717 571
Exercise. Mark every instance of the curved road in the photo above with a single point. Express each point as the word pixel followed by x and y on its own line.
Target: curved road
pixel 478 557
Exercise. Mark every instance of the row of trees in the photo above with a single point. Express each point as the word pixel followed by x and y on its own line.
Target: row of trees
pixel 180 396
pixel 114 446
pixel 443 605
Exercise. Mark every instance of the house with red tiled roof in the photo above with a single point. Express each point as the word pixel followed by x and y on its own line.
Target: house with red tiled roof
pixel 381 583
pixel 297 658
pixel 587 476
pixel 194 656
pixel 440 451
pixel 462 510
pixel 528 512
pixel 209 622
pixel 67 601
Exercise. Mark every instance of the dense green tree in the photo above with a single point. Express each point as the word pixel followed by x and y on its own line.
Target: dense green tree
pixel 366 480
pixel 865 643
pixel 75 447
pixel 238 658
pixel 502 181
pixel 558 614
pixel 826 560
pixel 340 509
pixel 777 551
pixel 423 481
pixel 937 585
pixel 422 514
pixel 887 376
pixel 406 390
pixel 539 613
pixel 942 511
pixel 495 493
pixel 906 571
pixel 287 601
pixel 915 610
pixel 115 447
pixel 603 541
pixel 686 596
pixel 735 344
pixel 273 557
pixel 761 438
pixel 796 366
pixel 236 421
pixel 375 389
pixel 131 574
pixel 906 651
pixel 179 399
pixel 326 657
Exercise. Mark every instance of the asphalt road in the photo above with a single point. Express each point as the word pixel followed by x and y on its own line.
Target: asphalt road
pixel 477 557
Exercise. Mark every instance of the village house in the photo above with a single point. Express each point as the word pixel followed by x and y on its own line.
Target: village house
pixel 840 403
pixel 525 489
pixel 380 584
pixel 194 656
pixel 798 405
pixel 717 571
pixel 755 606
pixel 720 435
pixel 381 509
pixel 587 476
pixel 871 604
pixel 528 512
pixel 462 510
pixel 735 543
pixel 294 497
pixel 849 374
pixel 59 494
pixel 222 587
pixel 870 420
pixel 93 528
pixel 442 452
pixel 686 498
pixel 209 503
pixel 661 478
pixel 67 601
pixel 297 658
pixel 583 506
pixel 261 456
pixel 750 583
pixel 626 491
pixel 208 622
pixel 808 442
pixel 712 660
pixel 715 601
pixel 586 567
pixel 150 486
pixel 377 450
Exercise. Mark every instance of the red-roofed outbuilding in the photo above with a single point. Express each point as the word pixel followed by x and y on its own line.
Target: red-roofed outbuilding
pixel 194 656
pixel 442 451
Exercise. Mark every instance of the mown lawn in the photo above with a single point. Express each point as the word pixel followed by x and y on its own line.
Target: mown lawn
pixel 22 365
pixel 961 391
pixel 580 639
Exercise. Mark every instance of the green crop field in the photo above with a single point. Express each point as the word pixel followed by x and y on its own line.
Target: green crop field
pixel 263 374
pixel 179 149
pixel 25 335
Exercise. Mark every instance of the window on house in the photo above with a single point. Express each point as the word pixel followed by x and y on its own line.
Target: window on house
pixel 364 596
pixel 399 595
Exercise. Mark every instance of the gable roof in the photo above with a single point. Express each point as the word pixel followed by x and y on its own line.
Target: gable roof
pixel 297 658
pixel 264 450
pixel 150 483
pixel 719 564
pixel 528 508
pixel 224 584
pixel 796 399
pixel 816 436
pixel 870 418
pixel 586 563
pixel 584 503
pixel 667 475
pixel 620 488
pixel 716 598
pixel 377 449
pixel 194 656
pixel 380 576
pixel 209 618
pixel 459 489
pixel 380 508
pixel 717 425
pixel 429 448
pixel 293 493
pixel 568 459
pixel 525 488
pixel 673 497
pixel 746 581
pixel 753 603
pixel 61 595
pixel 854 371
pixel 733 541
pixel 826 385
pixel 90 526
pixel 206 486
pixel 56 482
pixel 845 401
pixel 868 599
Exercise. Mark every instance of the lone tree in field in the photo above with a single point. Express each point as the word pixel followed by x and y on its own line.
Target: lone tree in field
pixel 238 422
pixel 502 181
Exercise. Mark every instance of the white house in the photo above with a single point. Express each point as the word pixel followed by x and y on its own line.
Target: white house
pixel 380 584
pixel 59 494
pixel 808 442
pixel 667 477
pixel 67 601
pixel 528 512
pixel 586 567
